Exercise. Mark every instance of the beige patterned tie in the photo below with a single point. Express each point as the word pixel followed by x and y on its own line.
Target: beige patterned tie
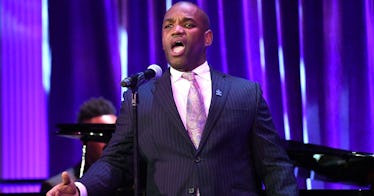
pixel 196 116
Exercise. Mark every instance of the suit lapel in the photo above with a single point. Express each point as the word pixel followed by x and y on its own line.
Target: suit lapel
pixel 220 91
pixel 164 96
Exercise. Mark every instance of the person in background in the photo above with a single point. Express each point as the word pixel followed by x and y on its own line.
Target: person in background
pixel 200 131
pixel 95 110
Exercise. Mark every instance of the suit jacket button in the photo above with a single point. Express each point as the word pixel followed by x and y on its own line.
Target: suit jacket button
pixel 191 190
pixel 197 160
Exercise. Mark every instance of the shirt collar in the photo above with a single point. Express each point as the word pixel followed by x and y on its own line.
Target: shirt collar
pixel 202 71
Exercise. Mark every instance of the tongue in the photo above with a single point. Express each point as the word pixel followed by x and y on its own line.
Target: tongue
pixel 178 49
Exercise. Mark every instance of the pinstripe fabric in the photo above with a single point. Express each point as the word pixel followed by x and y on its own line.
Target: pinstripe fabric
pixel 239 145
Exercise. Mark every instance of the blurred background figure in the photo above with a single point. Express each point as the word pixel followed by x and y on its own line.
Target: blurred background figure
pixel 95 110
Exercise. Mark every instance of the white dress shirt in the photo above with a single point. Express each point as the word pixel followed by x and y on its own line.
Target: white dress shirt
pixel 181 87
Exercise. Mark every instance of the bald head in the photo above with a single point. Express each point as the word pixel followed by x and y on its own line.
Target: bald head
pixel 199 12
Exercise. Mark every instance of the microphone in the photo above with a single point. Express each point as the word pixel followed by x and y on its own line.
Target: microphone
pixel 139 78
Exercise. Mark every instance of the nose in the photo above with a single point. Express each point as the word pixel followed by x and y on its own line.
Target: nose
pixel 178 30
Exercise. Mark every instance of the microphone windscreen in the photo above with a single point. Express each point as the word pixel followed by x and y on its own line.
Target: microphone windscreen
pixel 157 69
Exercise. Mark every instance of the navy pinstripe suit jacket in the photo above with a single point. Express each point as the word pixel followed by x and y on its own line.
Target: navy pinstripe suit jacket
pixel 239 149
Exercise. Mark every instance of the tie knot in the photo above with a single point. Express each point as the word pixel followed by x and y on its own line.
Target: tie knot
pixel 190 76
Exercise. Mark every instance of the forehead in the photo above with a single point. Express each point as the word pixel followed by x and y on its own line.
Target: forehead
pixel 182 11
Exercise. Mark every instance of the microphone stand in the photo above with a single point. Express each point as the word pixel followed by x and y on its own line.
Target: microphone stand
pixel 133 83
pixel 134 103
pixel 134 120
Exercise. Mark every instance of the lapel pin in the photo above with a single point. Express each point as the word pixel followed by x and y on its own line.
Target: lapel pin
pixel 219 92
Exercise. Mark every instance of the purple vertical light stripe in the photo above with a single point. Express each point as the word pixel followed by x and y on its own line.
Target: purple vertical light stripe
pixel 222 37
pixel 333 69
pixel 302 74
pixel 24 119
pixel 369 17
pixel 152 31
pixel 261 46
pixel 303 83
pixel 114 39
pixel 200 3
pixel 29 18
pixel 335 91
pixel 7 135
pixel 14 100
pixel 282 72
pixel 37 93
pixel 22 56
pixel 4 88
pixel 247 44
pixel 23 107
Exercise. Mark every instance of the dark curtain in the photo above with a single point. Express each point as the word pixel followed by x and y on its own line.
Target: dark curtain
pixel 313 58
pixel 85 64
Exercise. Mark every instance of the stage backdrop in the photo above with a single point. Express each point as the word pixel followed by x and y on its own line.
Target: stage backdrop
pixel 313 58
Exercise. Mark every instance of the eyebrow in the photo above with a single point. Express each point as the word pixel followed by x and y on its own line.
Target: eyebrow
pixel 185 19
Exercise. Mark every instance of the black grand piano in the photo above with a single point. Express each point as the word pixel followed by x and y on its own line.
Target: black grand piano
pixel 328 164
pixel 333 165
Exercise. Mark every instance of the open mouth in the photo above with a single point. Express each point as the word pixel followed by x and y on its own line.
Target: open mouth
pixel 178 47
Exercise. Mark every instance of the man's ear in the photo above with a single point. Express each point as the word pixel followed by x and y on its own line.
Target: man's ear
pixel 208 36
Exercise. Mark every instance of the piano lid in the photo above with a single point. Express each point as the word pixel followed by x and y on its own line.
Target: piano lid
pixel 331 164
pixel 87 132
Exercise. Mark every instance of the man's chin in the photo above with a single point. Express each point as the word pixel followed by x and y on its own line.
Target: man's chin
pixel 178 64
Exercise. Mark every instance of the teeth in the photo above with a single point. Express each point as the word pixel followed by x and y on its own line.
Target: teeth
pixel 178 43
